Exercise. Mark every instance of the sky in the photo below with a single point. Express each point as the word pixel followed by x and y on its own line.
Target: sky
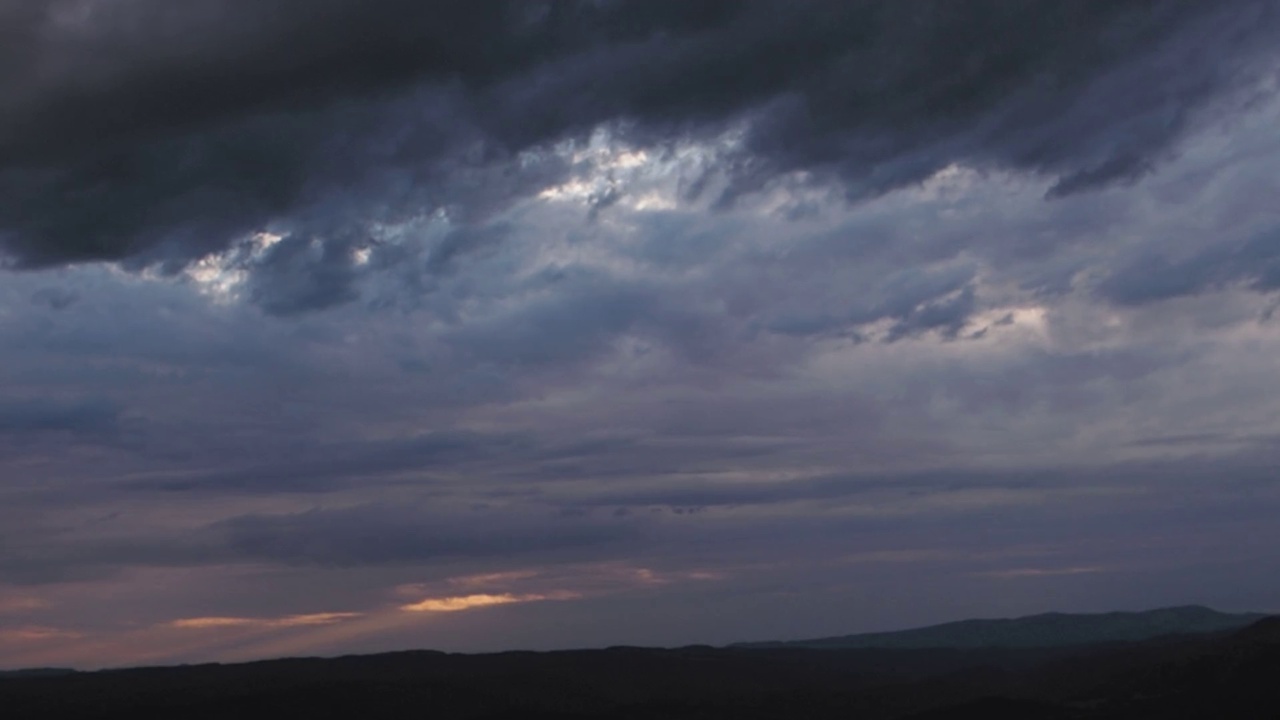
pixel 336 326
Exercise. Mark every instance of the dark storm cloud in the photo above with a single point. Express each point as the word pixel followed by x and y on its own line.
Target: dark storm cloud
pixel 154 133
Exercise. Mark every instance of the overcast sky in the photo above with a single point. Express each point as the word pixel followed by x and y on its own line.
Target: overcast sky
pixel 337 326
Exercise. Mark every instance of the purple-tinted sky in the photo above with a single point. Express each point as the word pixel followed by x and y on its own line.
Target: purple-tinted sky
pixel 338 326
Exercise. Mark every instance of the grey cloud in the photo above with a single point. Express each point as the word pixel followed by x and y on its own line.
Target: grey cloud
pixel 833 491
pixel 1213 501
pixel 1238 470
pixel 300 274
pixel 463 241
pixel 569 326
pixel 94 417
pixel 36 548
pixel 948 315
pixel 218 119
pixel 916 300
pixel 339 466
pixel 379 534
pixel 1063 381
pixel 55 298
pixel 696 495
pixel 1151 277
pixel 58 560
pixel 1181 440
pixel 131 325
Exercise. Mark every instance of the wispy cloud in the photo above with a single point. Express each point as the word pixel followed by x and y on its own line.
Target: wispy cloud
pixel 491 579
pixel 37 634
pixel 203 623
pixel 1042 572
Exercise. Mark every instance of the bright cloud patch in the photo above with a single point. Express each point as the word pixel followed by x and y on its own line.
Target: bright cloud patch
pixel 469 602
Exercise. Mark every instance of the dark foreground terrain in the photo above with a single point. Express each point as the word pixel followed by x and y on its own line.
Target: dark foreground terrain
pixel 1229 675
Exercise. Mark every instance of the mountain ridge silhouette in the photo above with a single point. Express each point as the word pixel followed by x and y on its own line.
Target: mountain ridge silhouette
pixel 1051 629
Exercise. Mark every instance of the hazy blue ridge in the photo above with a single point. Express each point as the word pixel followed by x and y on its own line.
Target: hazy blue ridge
pixel 1046 630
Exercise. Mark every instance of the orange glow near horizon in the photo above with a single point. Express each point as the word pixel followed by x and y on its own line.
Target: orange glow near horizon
pixel 419 610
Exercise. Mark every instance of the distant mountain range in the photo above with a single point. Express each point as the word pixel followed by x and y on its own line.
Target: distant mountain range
pixel 1038 631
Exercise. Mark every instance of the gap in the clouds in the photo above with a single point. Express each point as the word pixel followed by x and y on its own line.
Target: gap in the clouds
pixel 220 276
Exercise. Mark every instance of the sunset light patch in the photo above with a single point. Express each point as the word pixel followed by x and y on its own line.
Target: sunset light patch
pixel 470 602
pixel 203 623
